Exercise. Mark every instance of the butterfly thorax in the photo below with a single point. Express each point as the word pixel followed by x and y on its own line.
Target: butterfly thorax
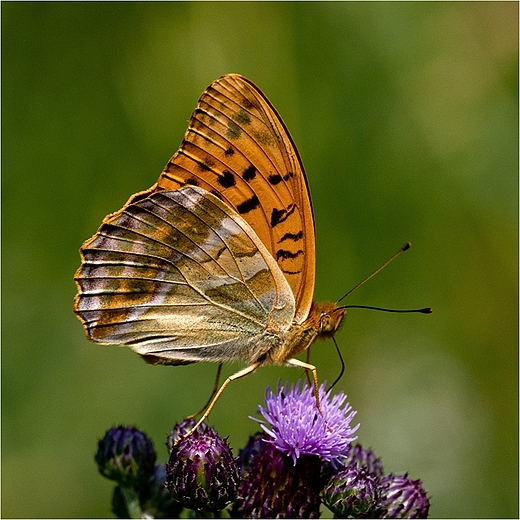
pixel 323 322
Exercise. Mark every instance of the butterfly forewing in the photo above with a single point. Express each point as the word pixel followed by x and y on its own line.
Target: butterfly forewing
pixel 178 272
pixel 238 148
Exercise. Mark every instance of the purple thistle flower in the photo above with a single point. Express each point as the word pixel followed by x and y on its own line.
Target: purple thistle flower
pixel 296 427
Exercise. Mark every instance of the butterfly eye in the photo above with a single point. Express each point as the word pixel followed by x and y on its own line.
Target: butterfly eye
pixel 326 324
pixel 330 320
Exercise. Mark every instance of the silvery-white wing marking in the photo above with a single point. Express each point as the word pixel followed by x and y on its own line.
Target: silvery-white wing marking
pixel 181 277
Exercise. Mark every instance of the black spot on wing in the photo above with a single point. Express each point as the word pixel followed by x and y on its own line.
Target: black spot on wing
pixel 276 178
pixel 226 179
pixel 229 151
pixel 292 236
pixel 203 166
pixel 220 251
pixel 248 205
pixel 249 173
pixel 286 271
pixel 199 112
pixel 282 253
pixel 280 215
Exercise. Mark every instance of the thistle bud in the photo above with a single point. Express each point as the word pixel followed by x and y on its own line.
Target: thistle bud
pixel 403 498
pixel 352 492
pixel 126 455
pixel 202 473
pixel 362 457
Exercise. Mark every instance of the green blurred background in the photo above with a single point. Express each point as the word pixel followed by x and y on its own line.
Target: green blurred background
pixel 406 116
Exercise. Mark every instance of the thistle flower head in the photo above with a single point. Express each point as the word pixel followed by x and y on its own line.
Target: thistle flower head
pixel 403 497
pixel 202 473
pixel 296 427
pixel 126 455
pixel 271 486
pixel 353 492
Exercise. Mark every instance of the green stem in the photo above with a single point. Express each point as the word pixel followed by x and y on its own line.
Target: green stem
pixel 132 501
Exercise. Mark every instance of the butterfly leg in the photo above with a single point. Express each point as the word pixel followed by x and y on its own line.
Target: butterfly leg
pixel 237 375
pixel 308 361
pixel 307 366
pixel 213 392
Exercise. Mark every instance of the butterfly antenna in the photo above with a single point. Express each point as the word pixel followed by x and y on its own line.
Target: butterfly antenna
pixel 425 310
pixel 395 255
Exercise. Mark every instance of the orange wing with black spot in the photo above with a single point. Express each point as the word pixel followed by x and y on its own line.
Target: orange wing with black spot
pixel 238 148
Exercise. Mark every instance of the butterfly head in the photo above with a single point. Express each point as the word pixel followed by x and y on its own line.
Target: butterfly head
pixel 328 318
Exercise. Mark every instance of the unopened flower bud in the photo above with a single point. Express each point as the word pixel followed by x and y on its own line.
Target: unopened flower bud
pixel 352 492
pixel 126 455
pixel 403 498
pixel 202 473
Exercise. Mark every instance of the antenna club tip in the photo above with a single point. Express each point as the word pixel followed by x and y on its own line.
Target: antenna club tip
pixel 427 310
pixel 407 246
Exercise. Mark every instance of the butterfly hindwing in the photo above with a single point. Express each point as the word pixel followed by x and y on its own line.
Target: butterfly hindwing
pixel 178 272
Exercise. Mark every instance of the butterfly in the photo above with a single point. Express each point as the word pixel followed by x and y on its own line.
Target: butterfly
pixel 216 261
